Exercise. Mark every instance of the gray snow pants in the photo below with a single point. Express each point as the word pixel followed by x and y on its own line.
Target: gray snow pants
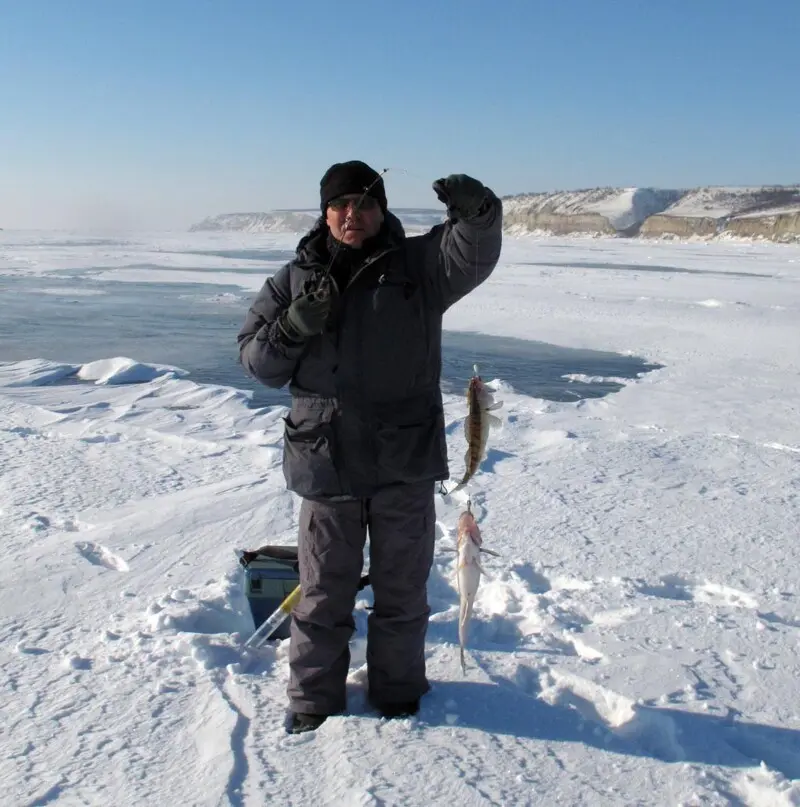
pixel 401 524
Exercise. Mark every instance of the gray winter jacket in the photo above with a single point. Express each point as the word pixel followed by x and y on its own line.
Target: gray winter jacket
pixel 366 402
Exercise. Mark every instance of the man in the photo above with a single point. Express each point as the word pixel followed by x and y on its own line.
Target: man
pixel 353 324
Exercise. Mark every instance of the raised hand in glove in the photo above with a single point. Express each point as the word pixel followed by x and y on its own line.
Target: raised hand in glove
pixel 306 316
pixel 463 195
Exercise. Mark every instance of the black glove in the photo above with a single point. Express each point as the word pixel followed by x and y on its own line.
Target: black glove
pixel 463 195
pixel 306 316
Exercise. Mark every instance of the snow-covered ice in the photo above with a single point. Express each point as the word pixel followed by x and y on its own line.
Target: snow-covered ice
pixel 637 642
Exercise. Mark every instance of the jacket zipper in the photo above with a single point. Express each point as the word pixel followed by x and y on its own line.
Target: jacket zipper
pixel 369 262
pixel 364 403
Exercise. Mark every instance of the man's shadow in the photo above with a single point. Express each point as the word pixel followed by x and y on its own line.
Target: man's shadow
pixel 669 735
pixel 514 708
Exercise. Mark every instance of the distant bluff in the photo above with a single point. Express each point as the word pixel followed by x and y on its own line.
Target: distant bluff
pixel 770 212
pixel 292 221
pixel 607 211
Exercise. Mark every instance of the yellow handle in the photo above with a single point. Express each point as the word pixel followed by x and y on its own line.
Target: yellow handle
pixel 292 600
pixel 276 619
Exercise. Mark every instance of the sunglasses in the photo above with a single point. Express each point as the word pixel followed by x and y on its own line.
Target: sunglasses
pixel 342 202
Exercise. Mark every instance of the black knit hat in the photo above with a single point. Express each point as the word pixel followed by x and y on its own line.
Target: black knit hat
pixel 351 177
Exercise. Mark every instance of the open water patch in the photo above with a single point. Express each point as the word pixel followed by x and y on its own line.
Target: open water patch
pixel 641 267
pixel 256 269
pixel 240 254
pixel 71 242
pixel 538 369
pixel 194 326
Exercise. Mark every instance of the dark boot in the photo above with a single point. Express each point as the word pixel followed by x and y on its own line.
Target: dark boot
pixel 300 722
pixel 392 711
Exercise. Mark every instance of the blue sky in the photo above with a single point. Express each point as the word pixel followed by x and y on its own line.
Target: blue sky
pixel 156 113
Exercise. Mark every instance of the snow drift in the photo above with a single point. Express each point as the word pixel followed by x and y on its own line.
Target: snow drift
pixel 114 371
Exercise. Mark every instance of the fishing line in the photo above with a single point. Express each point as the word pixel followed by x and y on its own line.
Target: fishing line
pixel 408 173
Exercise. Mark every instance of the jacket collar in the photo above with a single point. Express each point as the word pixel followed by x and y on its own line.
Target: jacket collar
pixel 312 249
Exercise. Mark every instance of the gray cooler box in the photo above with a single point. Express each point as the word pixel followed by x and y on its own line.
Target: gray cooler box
pixel 271 574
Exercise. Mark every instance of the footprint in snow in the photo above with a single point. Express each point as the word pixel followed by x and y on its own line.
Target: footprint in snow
pixel 716 594
pixel 73 662
pixel 674 587
pixel 102 438
pixel 38 522
pixel 22 431
pixel 537 582
pixel 669 587
pixel 99 555
pixel 777 619
pixel 614 618
pixel 28 650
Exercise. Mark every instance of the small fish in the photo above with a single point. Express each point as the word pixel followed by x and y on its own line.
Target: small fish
pixel 480 404
pixel 469 571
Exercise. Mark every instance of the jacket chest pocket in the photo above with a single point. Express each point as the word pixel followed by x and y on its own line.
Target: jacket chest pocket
pixel 394 339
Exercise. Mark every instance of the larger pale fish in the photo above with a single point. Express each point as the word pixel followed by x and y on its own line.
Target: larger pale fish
pixel 480 404
pixel 469 572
